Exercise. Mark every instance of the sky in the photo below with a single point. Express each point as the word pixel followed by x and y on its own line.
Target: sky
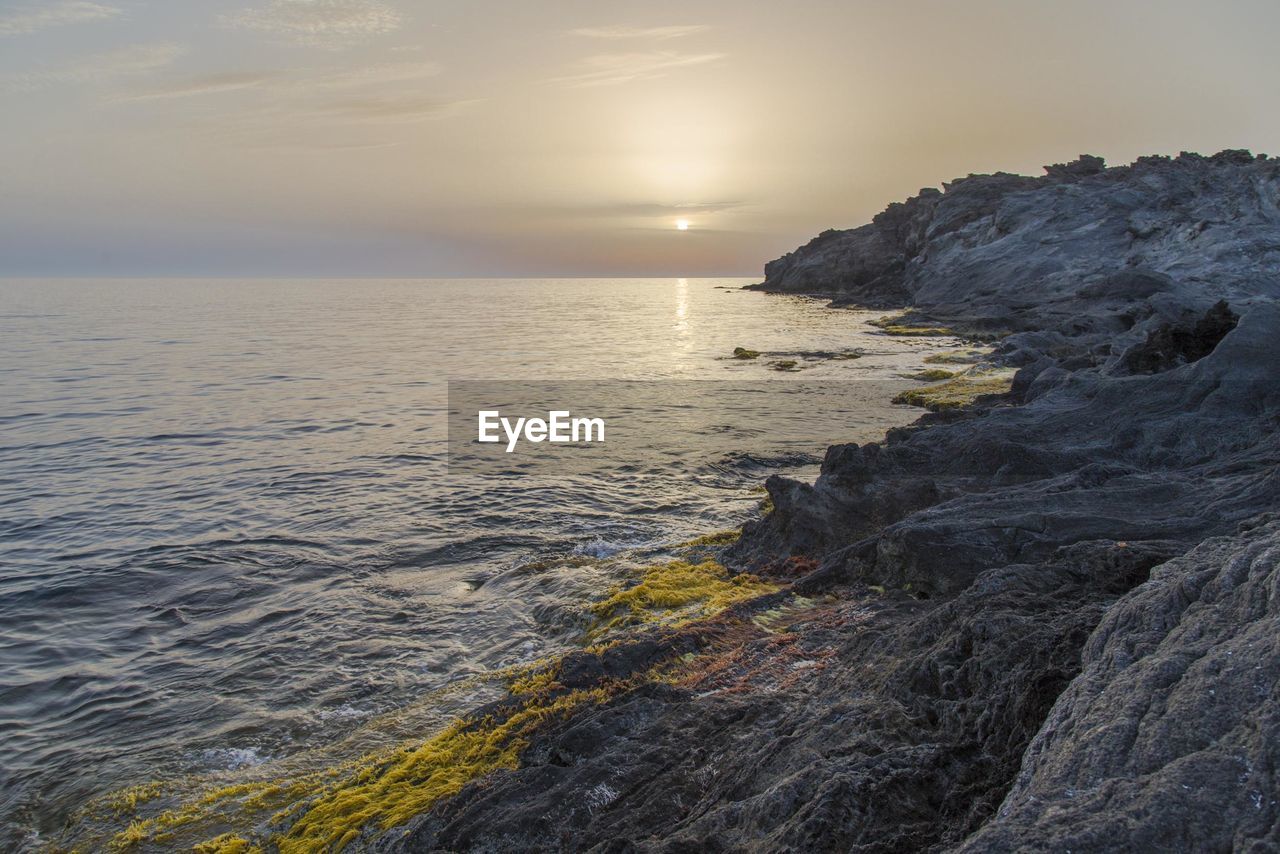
pixel 416 138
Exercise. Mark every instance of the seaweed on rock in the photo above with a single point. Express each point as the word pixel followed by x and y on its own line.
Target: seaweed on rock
pixel 958 390
pixel 673 592
pixel 359 800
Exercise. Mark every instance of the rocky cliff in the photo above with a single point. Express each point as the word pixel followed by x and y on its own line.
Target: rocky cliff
pixel 1046 621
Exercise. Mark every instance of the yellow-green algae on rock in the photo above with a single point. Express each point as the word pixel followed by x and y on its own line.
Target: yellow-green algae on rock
pixel 955 357
pixel 535 678
pixel 327 810
pixel 227 843
pixel 891 326
pixel 389 793
pixel 213 810
pixel 674 592
pixel 933 375
pixel 958 391
pixel 358 799
pixel 719 538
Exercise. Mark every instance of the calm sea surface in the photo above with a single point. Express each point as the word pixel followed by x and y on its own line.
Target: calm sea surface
pixel 227 533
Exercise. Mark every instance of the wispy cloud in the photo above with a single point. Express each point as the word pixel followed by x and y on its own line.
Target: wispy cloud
pixel 208 84
pixel 356 122
pixel 330 24
pixel 618 33
pixel 283 84
pixel 99 68
pixel 611 69
pixel 380 74
pixel 41 16
pixel 403 108
pixel 303 108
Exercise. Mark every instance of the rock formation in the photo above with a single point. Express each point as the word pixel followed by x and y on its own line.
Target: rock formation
pixel 1048 621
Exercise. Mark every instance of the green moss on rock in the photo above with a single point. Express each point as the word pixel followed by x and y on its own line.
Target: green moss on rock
pixel 719 538
pixel 957 392
pixel 933 375
pixel 674 593
pixel 892 325
pixel 955 357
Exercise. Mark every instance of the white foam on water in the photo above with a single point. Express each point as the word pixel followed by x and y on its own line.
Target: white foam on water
pixel 600 548
pixel 233 758
pixel 346 711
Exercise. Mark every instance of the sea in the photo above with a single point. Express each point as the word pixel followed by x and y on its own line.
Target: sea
pixel 230 537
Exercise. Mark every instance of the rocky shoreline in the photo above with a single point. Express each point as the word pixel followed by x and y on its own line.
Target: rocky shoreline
pixel 1046 621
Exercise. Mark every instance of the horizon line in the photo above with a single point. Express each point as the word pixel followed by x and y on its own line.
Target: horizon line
pixel 295 277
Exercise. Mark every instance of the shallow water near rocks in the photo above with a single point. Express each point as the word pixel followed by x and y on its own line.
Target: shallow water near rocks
pixel 229 536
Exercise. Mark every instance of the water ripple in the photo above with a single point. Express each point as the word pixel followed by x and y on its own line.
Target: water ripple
pixel 227 529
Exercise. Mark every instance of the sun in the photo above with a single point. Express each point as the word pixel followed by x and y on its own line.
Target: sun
pixel 682 224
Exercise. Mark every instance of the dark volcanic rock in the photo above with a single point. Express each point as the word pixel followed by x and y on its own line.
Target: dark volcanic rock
pixel 903 732
pixel 864 264
pixel 1182 455
pixel 1171 345
pixel 1008 253
pixel 1167 741
pixel 988 666
pixel 1143 306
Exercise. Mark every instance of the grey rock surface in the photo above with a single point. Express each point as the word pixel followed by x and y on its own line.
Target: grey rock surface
pixel 1081 250
pixel 1173 718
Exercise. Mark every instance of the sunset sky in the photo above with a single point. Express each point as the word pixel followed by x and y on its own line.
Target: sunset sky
pixel 487 137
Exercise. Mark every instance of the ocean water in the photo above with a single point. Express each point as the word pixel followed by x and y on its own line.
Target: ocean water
pixel 228 533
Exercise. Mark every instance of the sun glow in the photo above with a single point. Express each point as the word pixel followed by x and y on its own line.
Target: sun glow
pixel 682 224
